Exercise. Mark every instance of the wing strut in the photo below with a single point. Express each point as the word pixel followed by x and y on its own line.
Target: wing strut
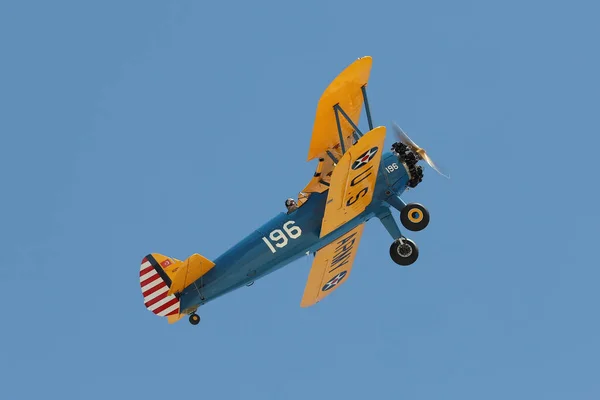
pixel 339 109
pixel 339 127
pixel 335 160
pixel 357 133
pixel 363 88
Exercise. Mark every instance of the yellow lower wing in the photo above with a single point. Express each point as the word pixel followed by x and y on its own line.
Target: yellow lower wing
pixel 353 181
pixel 331 266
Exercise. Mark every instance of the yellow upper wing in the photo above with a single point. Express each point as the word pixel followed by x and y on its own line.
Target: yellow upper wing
pixel 353 181
pixel 344 90
pixel 331 266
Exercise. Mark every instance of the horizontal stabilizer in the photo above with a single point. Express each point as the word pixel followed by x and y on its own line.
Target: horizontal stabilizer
pixel 188 271
pixel 171 319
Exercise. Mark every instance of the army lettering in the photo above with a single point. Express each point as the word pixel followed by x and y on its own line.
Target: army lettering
pixel 342 253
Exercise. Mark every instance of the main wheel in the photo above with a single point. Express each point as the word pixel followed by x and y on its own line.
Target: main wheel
pixel 404 252
pixel 194 319
pixel 414 217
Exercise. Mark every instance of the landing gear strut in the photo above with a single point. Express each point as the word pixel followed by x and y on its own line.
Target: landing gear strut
pixel 404 251
pixel 194 319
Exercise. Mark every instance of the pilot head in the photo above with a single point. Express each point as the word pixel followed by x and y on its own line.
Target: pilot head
pixel 290 202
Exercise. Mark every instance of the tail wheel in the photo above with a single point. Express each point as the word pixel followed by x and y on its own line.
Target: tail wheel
pixel 404 252
pixel 414 217
pixel 194 319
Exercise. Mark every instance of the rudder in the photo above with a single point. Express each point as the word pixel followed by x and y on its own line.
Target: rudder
pixel 155 284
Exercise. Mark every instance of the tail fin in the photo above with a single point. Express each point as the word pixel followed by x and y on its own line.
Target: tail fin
pixel 155 284
pixel 162 278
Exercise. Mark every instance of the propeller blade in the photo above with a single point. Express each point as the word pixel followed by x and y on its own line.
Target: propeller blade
pixel 403 137
pixel 429 161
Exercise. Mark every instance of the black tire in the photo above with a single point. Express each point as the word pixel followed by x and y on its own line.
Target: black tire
pixel 194 319
pixel 414 217
pixel 404 253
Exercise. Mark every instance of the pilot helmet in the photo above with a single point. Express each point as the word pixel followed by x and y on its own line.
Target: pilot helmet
pixel 289 202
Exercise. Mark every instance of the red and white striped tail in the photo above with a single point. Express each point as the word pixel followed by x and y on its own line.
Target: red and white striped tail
pixel 155 285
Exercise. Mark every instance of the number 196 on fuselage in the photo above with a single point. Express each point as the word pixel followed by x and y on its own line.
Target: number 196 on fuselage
pixel 279 238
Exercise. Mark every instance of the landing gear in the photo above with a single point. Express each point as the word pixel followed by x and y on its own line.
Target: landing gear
pixel 194 319
pixel 404 251
pixel 414 217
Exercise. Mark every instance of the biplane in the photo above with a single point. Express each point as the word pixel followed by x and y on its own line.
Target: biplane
pixel 354 181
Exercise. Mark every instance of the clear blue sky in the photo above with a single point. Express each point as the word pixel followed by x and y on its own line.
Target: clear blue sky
pixel 179 127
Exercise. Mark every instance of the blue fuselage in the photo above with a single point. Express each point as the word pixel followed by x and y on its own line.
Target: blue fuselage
pixel 258 254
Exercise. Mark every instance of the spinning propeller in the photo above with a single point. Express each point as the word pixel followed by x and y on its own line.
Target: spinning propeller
pixel 403 137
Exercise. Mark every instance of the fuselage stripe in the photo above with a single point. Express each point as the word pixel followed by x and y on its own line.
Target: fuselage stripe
pixel 155 294
pixel 173 301
pixel 149 280
pixel 146 271
pixel 174 309
pixel 147 275
pixel 160 302
pixel 151 285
